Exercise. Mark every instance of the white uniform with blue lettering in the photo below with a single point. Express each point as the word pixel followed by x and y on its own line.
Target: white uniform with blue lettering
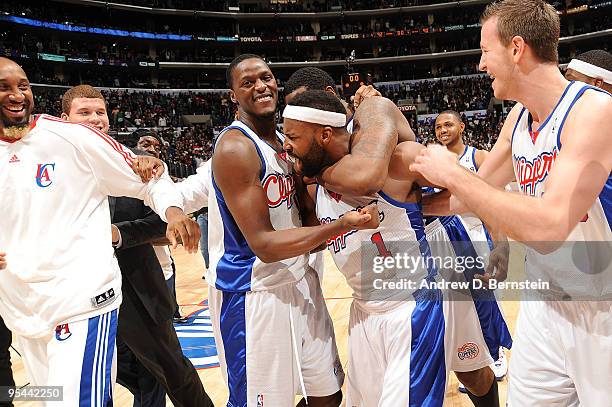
pixel 398 351
pixel 465 237
pixel 273 331
pixel 563 339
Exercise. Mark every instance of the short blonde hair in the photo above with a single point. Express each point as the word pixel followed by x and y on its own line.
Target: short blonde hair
pixel 80 91
pixel 536 21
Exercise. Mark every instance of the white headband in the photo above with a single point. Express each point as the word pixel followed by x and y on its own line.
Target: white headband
pixel 312 115
pixel 591 70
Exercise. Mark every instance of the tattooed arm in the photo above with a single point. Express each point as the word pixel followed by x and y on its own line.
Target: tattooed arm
pixel 376 125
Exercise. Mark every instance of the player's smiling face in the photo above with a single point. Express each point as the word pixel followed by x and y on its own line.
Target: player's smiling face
pixel 90 111
pixel 496 59
pixel 448 129
pixel 254 88
pixel 15 96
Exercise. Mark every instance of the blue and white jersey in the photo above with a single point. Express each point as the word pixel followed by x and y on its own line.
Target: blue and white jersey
pixel 468 159
pixel 233 265
pixel 575 270
pixel 401 231
pixel 473 224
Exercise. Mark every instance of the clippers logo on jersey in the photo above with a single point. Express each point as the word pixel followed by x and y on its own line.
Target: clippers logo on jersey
pixel 43 174
pixel 531 173
pixel 336 196
pixel 468 351
pixel 279 188
pixel 62 332
pixel 338 242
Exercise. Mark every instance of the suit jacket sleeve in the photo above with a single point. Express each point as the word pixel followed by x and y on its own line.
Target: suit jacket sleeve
pixel 145 230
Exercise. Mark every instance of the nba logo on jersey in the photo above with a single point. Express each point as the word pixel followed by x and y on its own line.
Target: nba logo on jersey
pixel 62 332
pixel 43 179
pixel 260 400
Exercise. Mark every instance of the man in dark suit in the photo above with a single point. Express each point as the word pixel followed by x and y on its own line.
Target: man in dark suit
pixel 6 373
pixel 145 318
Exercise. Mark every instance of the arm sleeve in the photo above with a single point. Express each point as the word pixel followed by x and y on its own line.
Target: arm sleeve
pixel 141 231
pixel 195 189
pixel 111 165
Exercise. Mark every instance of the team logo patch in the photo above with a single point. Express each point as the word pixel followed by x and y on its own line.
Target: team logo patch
pixel 260 400
pixel 468 351
pixel 103 299
pixel 62 332
pixel 43 174
pixel 279 188
pixel 530 173
pixel 14 159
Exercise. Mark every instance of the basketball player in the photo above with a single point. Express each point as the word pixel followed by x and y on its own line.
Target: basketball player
pixel 149 356
pixel 556 142
pixel 385 328
pixel 272 329
pixel 370 146
pixel 449 128
pixel 370 152
pixel 62 301
pixel 593 67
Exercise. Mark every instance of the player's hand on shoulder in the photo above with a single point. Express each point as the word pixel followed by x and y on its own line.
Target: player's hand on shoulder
pixel 182 228
pixel 147 167
pixel 2 261
pixel 364 92
pixel 363 218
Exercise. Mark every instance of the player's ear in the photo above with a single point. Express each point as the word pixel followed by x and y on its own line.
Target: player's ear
pixel 64 116
pixel 232 96
pixel 518 45
pixel 325 135
pixel 331 90
pixel 598 82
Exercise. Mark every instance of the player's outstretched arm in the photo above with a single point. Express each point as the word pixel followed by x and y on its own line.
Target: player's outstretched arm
pixel 236 170
pixel 573 184
pixel 111 164
pixel 195 189
pixel 375 135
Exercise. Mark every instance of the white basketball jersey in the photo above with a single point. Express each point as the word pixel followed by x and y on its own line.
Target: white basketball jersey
pixel 401 231
pixel 468 159
pixel 233 265
pixel 576 269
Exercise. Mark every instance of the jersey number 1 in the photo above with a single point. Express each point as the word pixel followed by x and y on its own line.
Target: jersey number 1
pixel 378 241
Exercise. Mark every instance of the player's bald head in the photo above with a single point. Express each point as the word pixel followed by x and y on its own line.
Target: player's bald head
pixel 9 64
